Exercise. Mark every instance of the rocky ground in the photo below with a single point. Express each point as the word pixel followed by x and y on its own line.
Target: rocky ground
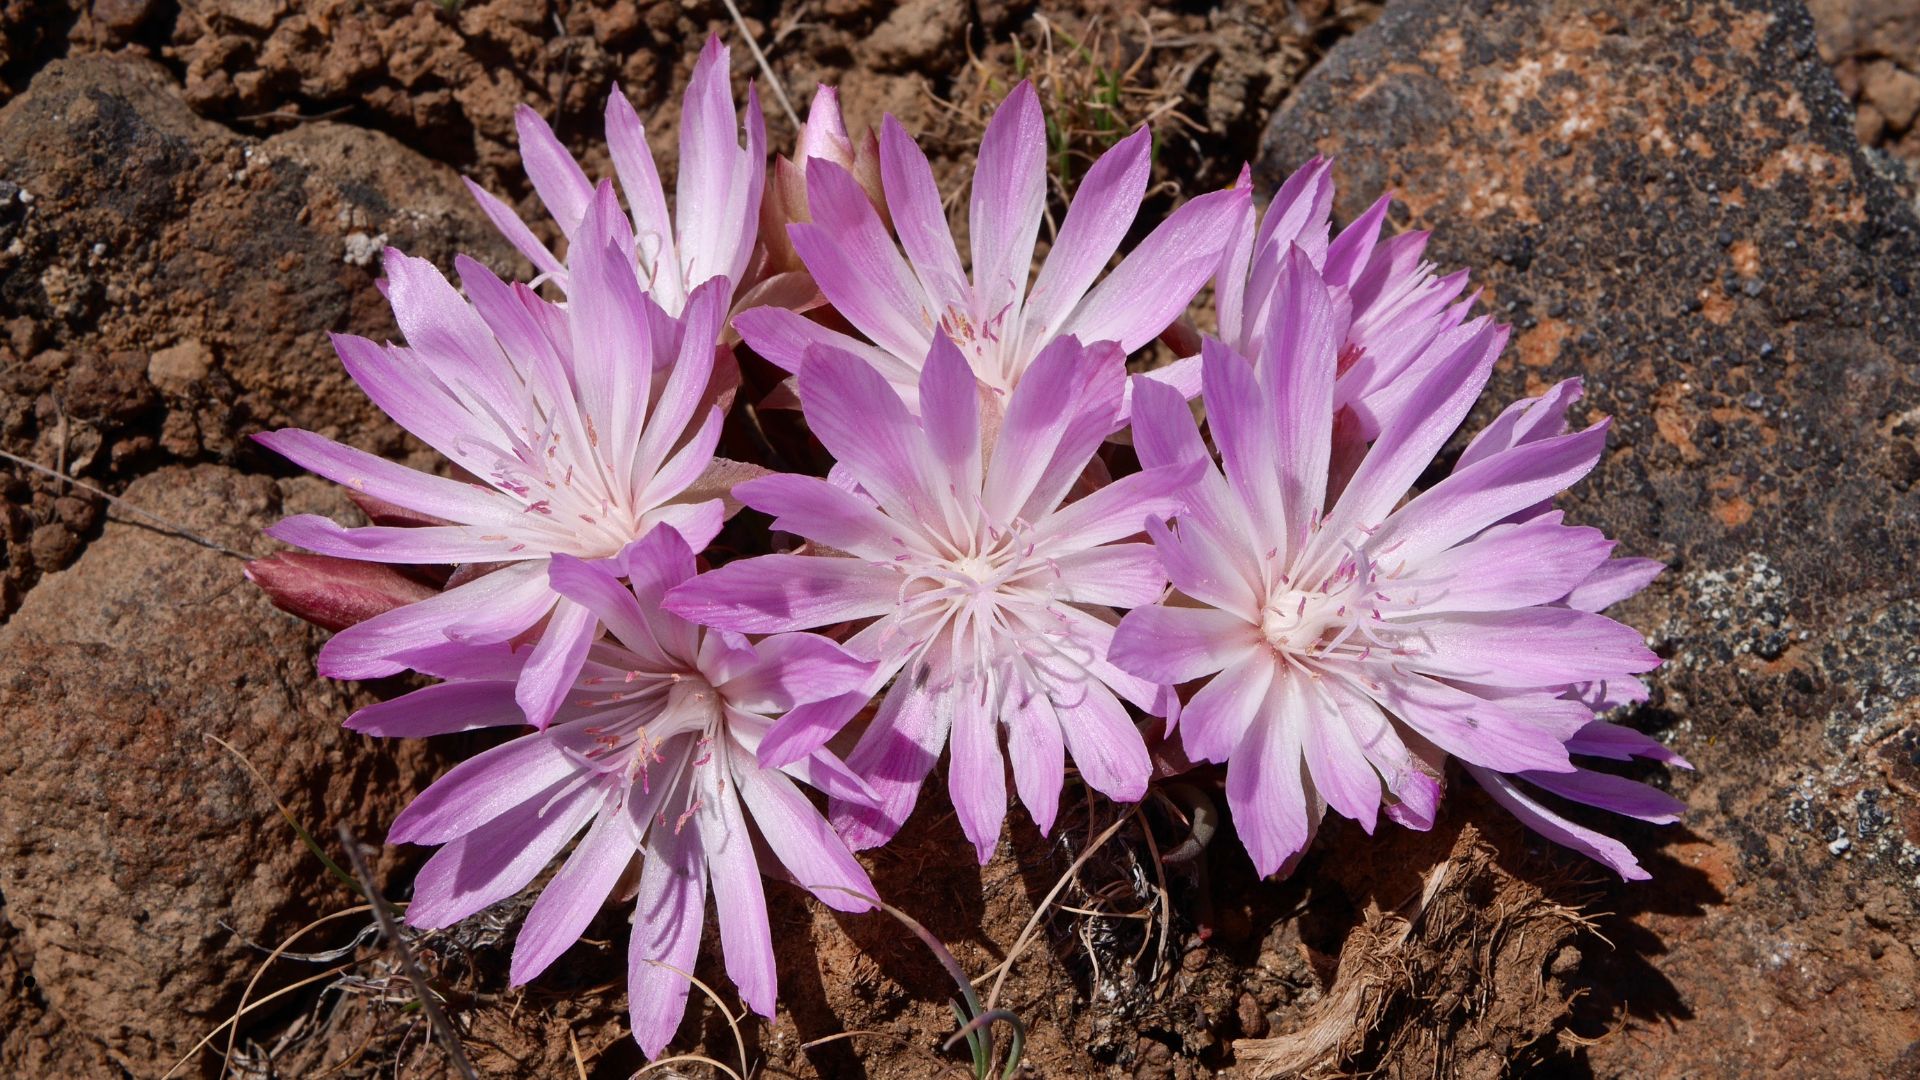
pixel 1704 210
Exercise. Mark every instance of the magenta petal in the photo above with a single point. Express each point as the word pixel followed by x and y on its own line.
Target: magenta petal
pixel 1611 582
pixel 811 507
pixel 746 938
pixel 668 915
pixel 515 230
pixel 574 896
pixel 555 663
pixel 1537 817
pixel 1213 724
pixel 775 593
pixel 494 607
pixel 1037 751
pixel 481 789
pixel 1267 794
pixel 1008 199
pixel 791 669
pixel 1172 645
pixel 1604 739
pixel 1106 747
pixel 977 775
pixel 1470 728
pixel 441 710
pixel 894 756
pixel 1530 647
pixel 1612 793
pixel 802 840
pixel 919 216
pixel 498 859
pixel 382 479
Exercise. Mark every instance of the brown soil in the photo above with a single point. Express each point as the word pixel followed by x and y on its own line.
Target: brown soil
pixel 190 193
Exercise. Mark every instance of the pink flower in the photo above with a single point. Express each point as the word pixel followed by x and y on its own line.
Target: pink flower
pixel 710 232
pixel 1349 642
pixel 999 324
pixel 1394 307
pixel 587 424
pixel 824 136
pixel 652 755
pixel 989 598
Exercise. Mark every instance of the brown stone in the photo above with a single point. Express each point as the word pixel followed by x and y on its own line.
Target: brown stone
pixel 1895 92
pixel 127 836
pixel 1600 173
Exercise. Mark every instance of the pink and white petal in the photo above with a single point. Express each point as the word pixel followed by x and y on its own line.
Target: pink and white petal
pixel 1612 793
pixel 1605 739
pixel 640 181
pixel 1470 728
pixel 1198 568
pixel 550 672
pixel 1267 793
pixel 687 465
pixel 791 669
pixel 688 379
pixel 1474 498
pixel 444 330
pixel 977 775
pixel 1036 422
pixel 806 728
pixel 1156 281
pixel 1511 566
pixel 704 203
pixel 1240 414
pixel 516 231
pixel 607 318
pixel 1534 815
pixel 746 937
pixel 1405 450
pixel 775 593
pixel 482 788
pixel 950 412
pixel 1106 747
pixel 1037 751
pixel 396 381
pixel 1338 766
pixel 1119 509
pixel 1611 582
pixel 442 709
pixel 830 776
pixel 573 897
pixel 783 338
pixel 561 183
pixel 867 428
pixel 697 522
pixel 594 585
pixel 1116 575
pixel 1524 421
pixel 1102 211
pixel 894 756
pixel 498 859
pixel 827 514
pixel 367 474
pixel 491 608
pixel 1529 647
pixel 1350 252
pixel 850 254
pixel 1007 202
pixel 1164 431
pixel 1298 362
pixel 919 215
pixel 668 915
pixel 1414 790
pixel 802 840
pixel 1214 724
pixel 433 544
pixel 1172 645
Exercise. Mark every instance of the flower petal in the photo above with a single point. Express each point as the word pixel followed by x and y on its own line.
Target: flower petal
pixel 775 593
pixel 1172 645
pixel 442 709
pixel 977 775
pixel 574 896
pixel 668 915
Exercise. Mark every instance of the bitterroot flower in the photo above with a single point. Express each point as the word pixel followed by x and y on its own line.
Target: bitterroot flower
pixel 1349 642
pixel 990 599
pixel 653 755
pixel 710 232
pixel 998 323
pixel 587 424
